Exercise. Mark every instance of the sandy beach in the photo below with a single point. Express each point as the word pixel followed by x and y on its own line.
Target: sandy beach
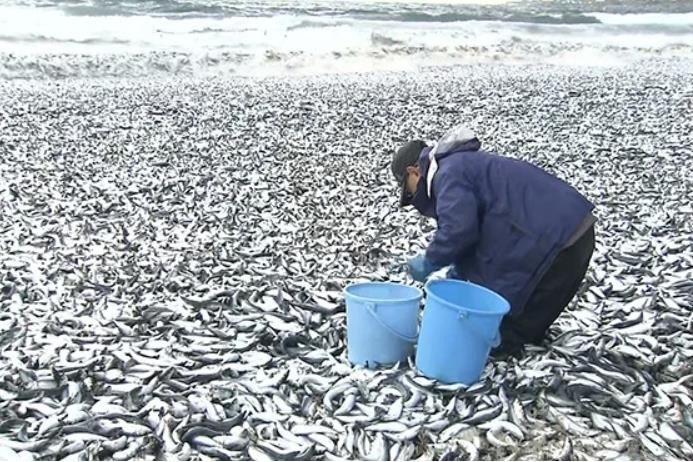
pixel 174 253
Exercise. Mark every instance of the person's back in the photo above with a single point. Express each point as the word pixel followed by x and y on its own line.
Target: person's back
pixel 525 217
pixel 535 200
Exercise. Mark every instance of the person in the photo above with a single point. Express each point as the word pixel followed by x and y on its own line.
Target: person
pixel 502 223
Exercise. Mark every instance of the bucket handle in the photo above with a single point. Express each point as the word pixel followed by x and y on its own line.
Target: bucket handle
pixel 494 342
pixel 372 307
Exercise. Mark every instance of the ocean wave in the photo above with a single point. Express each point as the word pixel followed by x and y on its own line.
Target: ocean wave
pixel 190 36
pixel 154 8
pixel 531 11
pixel 448 17
pixel 634 19
pixel 311 24
pixel 215 30
pixel 34 38
pixel 527 12
pixel 383 40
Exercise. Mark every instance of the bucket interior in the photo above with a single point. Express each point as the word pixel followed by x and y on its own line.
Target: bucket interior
pixel 384 292
pixel 467 296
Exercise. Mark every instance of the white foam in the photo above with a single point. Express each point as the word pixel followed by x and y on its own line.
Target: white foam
pixel 302 43
pixel 670 19
pixel 589 57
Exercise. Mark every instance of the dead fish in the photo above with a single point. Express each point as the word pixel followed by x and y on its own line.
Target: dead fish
pixel 166 291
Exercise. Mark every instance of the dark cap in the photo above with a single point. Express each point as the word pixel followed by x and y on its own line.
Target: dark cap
pixel 406 156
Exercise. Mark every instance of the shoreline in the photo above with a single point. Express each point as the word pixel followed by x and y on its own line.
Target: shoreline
pixel 677 65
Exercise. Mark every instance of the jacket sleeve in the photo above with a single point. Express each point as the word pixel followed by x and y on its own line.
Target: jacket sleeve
pixel 458 224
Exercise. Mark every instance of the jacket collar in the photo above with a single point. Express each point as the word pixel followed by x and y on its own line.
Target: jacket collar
pixel 423 199
pixel 424 204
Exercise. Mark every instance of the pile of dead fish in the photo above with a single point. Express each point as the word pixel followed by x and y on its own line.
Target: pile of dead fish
pixel 173 255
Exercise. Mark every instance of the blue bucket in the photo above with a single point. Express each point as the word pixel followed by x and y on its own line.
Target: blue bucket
pixel 459 328
pixel 382 321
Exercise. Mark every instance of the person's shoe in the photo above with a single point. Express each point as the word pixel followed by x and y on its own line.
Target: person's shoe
pixel 503 351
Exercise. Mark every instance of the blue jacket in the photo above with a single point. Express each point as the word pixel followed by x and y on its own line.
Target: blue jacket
pixel 501 221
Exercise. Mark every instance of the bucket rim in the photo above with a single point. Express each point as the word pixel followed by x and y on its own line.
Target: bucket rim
pixel 418 297
pixel 468 310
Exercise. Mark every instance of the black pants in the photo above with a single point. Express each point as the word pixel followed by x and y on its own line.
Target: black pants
pixel 553 293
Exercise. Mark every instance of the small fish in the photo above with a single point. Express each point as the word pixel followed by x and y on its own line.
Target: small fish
pixel 115 445
pixel 566 451
pixel 485 415
pixel 310 429
pixel 129 452
pixel 405 436
pixel 389 427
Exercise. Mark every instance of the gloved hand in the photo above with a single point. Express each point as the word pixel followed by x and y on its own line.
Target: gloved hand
pixel 421 267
